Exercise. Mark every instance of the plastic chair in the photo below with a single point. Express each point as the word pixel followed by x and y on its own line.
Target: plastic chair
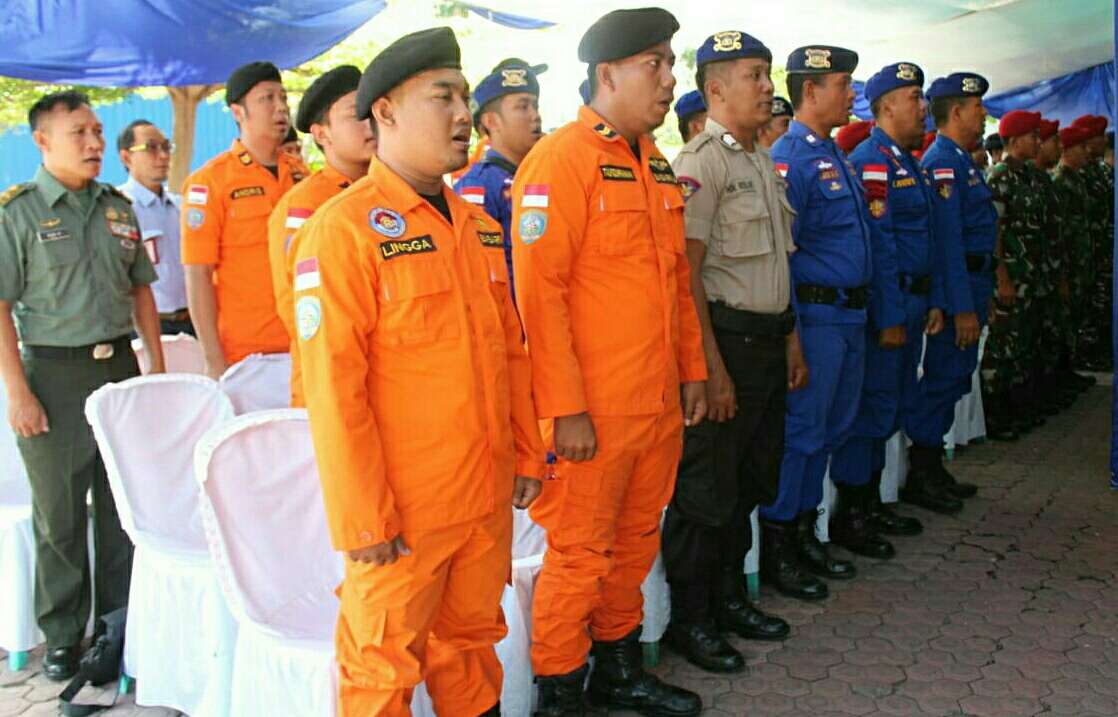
pixel 259 383
pixel 181 354
pixel 179 638
pixel 19 632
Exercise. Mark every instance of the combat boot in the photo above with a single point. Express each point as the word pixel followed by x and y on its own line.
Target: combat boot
pixel 781 568
pixel 693 634
pixel 737 614
pixel 814 554
pixel 924 486
pixel 561 695
pixel 882 518
pixel 619 682
pixel 850 529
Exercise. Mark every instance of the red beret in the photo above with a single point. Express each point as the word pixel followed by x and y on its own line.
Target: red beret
pixel 853 134
pixel 1048 128
pixel 1095 125
pixel 1074 135
pixel 1018 123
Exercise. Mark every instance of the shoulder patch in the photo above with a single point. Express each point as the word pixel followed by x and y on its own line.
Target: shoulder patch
pixel 605 130
pixel 688 186
pixel 473 195
pixel 875 173
pixel 14 191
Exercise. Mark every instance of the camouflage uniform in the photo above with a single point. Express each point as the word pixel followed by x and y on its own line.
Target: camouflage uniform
pixel 1094 339
pixel 1008 360
pixel 1052 310
pixel 1073 199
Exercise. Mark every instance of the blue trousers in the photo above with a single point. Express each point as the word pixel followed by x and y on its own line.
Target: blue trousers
pixel 888 394
pixel 948 372
pixel 820 415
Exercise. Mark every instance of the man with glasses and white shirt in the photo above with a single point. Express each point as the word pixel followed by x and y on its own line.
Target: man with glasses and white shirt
pixel 146 153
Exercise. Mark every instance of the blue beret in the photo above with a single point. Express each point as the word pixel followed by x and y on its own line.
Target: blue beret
pixel 410 55
pixel 890 77
pixel 537 70
pixel 245 77
pixel 731 45
pixel 689 104
pixel 782 108
pixel 323 93
pixel 959 84
pixel 821 60
pixel 623 33
pixel 584 91
pixel 506 81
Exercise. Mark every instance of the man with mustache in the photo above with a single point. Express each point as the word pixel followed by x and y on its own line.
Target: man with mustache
pixel 225 224
pixel 419 396
pixel 327 113
pixel 74 281
pixel 604 290
pixel 831 271
pixel 508 114
pixel 906 303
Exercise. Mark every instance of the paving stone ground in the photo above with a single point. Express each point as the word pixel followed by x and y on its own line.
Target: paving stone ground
pixel 1008 609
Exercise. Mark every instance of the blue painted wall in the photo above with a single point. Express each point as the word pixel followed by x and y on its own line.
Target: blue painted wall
pixel 213 133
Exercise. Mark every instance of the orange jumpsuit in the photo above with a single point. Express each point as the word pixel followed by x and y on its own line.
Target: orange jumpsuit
pixel 419 394
pixel 292 210
pixel 604 292
pixel 226 204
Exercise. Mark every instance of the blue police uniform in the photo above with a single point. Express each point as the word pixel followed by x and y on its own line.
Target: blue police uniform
pixel 490 180
pixel 831 269
pixel 964 223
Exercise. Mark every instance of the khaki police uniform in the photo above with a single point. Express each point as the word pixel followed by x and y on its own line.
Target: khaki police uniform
pixel 68 263
pixel 736 207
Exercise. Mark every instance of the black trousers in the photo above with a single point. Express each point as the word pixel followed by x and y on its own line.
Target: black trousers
pixel 727 469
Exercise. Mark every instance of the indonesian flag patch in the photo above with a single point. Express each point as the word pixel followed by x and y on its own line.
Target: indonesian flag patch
pixel 474 195
pixel 535 196
pixel 306 274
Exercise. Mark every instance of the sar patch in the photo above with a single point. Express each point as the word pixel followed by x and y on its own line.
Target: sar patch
pixel 688 186
pixel 533 223
pixel 308 316
pixel 491 239
pixel 195 218
pixel 387 223
pixel 415 245
pixel 247 192
pixel 615 173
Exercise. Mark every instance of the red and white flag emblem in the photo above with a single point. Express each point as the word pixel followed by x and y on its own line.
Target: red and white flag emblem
pixel 306 274
pixel 535 195
pixel 474 195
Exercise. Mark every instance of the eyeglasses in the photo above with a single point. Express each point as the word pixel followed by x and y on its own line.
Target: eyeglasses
pixel 154 147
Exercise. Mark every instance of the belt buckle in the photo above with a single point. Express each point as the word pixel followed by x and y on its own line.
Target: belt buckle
pixel 102 352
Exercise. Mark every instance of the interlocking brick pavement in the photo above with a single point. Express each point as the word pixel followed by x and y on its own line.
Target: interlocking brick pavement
pixel 1007 609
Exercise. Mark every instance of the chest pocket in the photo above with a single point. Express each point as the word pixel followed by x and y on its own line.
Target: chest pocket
pixel 247 219
pixel 622 223
pixel 58 253
pixel 745 226
pixel 417 302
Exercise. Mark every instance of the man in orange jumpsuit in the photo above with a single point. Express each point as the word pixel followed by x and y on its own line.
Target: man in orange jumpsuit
pixel 225 224
pixel 327 113
pixel 604 291
pixel 419 394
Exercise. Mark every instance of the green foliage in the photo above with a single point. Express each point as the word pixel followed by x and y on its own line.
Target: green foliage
pixel 17 96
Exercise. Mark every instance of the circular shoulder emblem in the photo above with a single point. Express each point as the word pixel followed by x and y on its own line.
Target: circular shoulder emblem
pixel 533 223
pixel 308 316
pixel 387 222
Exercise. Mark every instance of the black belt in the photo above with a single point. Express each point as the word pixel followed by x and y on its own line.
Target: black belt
pixel 981 262
pixel 738 321
pixel 176 316
pixel 95 352
pixel 854 298
pixel 918 285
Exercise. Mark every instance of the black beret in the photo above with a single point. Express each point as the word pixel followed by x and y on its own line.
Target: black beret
pixel 624 33
pixel 323 93
pixel 782 107
pixel 418 52
pixel 517 62
pixel 821 60
pixel 245 77
pixel 993 141
pixel 291 136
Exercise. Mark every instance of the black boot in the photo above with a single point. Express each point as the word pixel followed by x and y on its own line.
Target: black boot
pixel 738 615
pixel 1000 424
pixel 849 527
pixel 814 554
pixel 494 711
pixel 924 486
pixel 693 634
pixel 561 695
pixel 955 487
pixel 882 518
pixel 619 682
pixel 781 568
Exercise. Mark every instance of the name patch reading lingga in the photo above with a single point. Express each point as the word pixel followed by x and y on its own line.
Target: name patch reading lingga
pixel 614 173
pixel 415 245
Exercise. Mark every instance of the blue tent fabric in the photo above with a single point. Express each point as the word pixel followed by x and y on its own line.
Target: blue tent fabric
pixel 124 43
pixel 1089 91
pixel 516 22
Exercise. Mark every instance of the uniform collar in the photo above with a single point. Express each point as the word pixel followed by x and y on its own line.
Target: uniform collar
pixel 403 197
pixel 494 157
pixel 807 134
pixel 334 177
pixel 142 195
pixel 949 144
pixel 605 131
pixel 52 190
pixel 879 136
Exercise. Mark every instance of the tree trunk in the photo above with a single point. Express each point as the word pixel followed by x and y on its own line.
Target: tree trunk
pixel 184 102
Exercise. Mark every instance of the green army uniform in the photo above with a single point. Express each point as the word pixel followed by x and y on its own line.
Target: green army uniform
pixel 1072 196
pixel 1007 364
pixel 1094 341
pixel 68 263
pixel 1052 316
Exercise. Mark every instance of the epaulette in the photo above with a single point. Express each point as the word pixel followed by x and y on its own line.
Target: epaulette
pixel 697 141
pixel 116 192
pixel 14 191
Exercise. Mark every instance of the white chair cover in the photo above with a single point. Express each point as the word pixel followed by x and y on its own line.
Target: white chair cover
pixel 266 527
pixel 970 417
pixel 258 383
pixel 179 639
pixel 753 557
pixel 182 353
pixel 826 507
pixel 18 631
pixel 896 467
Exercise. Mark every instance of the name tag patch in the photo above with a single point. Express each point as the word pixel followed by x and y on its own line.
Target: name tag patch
pixel 491 239
pixel 247 192
pixel 415 245
pixel 902 183
pixel 661 170
pixel 740 185
pixel 49 235
pixel 614 173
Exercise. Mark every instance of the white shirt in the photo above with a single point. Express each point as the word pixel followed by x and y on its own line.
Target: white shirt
pixel 158 216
